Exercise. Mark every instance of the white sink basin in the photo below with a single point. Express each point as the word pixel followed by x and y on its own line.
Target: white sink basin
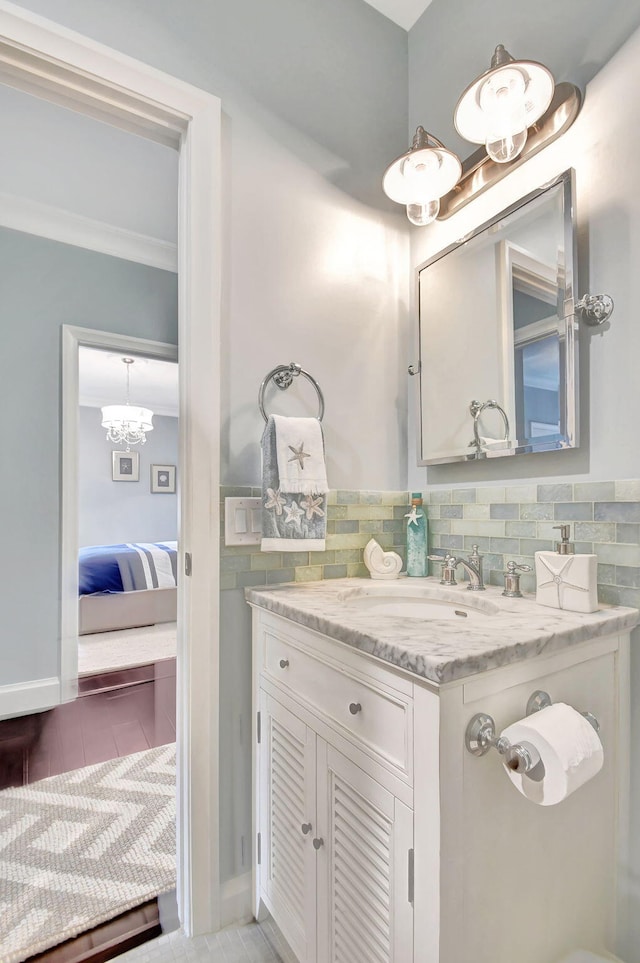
pixel 401 599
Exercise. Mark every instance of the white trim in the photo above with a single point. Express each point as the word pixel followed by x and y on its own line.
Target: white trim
pixel 50 61
pixel 236 900
pixel 33 217
pixel 23 698
pixel 624 880
pixel 72 338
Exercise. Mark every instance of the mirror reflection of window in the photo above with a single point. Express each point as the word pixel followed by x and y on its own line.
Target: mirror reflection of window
pixel 493 328
pixel 538 354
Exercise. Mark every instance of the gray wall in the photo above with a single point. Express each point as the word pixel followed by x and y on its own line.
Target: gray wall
pixel 45 285
pixel 607 216
pixel 112 512
pixel 61 155
pixel 452 43
pixel 447 48
pixel 314 98
pixel 315 105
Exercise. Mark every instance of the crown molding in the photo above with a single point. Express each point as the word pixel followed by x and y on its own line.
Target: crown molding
pixel 43 220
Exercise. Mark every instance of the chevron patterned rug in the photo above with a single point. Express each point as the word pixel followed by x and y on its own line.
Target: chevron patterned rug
pixel 80 848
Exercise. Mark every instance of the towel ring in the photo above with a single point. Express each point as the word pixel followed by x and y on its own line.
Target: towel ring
pixel 476 409
pixel 283 377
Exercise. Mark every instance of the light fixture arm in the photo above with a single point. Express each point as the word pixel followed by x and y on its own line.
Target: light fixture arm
pixel 479 172
pixel 422 138
pixel 128 362
pixel 500 57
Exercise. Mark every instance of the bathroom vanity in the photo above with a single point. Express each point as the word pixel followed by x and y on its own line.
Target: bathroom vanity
pixel 379 837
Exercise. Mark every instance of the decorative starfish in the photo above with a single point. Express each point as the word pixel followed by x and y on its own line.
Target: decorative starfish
pixel 413 516
pixel 299 454
pixel 560 580
pixel 311 505
pixel 274 500
pixel 294 513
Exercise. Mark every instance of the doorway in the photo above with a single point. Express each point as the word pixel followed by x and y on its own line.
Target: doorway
pixel 56 64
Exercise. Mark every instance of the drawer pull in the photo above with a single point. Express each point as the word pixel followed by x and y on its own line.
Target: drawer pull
pixel 306 828
pixel 317 843
pixel 284 663
pixel 355 708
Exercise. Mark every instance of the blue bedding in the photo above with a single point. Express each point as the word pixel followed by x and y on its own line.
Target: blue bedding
pixel 129 567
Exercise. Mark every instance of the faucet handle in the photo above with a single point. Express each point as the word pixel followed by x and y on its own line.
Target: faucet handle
pixel 475 552
pixel 512 579
pixel 448 562
pixel 513 567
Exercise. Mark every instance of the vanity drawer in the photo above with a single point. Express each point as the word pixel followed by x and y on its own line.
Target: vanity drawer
pixel 375 716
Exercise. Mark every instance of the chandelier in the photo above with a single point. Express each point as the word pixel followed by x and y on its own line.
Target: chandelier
pixel 127 424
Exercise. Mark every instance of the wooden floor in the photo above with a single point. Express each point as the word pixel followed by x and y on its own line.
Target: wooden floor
pixel 116 714
pixel 105 942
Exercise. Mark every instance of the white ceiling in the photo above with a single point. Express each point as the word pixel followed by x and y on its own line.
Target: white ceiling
pixel 403 12
pixel 103 380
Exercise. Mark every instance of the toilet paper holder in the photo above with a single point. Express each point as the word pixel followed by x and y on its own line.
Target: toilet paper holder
pixel 481 735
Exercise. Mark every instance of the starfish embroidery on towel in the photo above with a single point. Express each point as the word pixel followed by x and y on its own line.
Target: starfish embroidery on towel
pixel 413 516
pixel 560 580
pixel 294 513
pixel 311 505
pixel 299 454
pixel 274 500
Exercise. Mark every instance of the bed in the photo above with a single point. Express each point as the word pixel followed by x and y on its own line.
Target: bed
pixel 126 586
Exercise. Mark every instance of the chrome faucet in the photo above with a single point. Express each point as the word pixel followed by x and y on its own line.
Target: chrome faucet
pixel 473 568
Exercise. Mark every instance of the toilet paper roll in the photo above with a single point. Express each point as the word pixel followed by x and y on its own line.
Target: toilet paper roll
pixel 570 751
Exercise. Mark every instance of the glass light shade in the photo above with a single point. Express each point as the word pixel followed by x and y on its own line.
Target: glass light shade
pixel 510 96
pixel 423 214
pixel 127 424
pixel 503 149
pixel 421 175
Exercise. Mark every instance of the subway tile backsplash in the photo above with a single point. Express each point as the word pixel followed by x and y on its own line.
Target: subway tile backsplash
pixel 510 522
pixel 353 517
pixel 604 518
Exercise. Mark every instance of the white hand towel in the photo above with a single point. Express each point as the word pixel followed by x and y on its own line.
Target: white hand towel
pixel 292 520
pixel 300 454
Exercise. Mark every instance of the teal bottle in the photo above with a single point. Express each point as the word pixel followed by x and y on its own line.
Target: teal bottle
pixel 417 563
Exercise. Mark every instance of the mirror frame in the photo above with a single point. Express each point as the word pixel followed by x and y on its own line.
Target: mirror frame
pixel 569 412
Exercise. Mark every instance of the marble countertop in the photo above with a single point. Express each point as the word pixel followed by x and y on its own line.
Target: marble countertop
pixel 494 632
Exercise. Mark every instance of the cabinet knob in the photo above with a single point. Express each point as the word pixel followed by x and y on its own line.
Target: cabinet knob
pixel 306 828
pixel 355 708
pixel 284 663
pixel 317 843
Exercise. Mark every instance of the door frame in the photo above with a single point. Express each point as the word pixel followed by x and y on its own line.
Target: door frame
pixel 59 65
pixel 72 338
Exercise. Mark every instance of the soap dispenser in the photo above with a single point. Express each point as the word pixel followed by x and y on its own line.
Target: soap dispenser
pixel 565 580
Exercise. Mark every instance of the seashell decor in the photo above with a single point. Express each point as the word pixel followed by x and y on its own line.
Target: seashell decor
pixel 381 564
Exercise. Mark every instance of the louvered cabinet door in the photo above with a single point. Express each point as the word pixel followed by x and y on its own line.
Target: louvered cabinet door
pixel 364 887
pixel 287 825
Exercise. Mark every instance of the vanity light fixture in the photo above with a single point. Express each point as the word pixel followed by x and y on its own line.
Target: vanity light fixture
pixel 421 176
pixel 499 107
pixel 127 424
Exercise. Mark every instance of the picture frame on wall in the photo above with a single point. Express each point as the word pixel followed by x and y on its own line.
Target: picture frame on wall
pixel 163 479
pixel 125 466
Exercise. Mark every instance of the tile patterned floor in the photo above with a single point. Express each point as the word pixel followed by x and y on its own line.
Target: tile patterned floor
pixel 253 943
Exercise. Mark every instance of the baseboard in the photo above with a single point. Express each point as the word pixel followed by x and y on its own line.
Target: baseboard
pixel 23 698
pixel 236 900
pixel 33 217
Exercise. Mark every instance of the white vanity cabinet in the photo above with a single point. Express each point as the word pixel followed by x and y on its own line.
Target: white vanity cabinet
pixel 381 839
pixel 333 798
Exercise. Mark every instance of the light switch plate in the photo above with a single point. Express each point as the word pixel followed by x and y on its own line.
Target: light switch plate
pixel 242 521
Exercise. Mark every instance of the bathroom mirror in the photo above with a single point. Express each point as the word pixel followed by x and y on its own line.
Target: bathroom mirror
pixel 498 344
